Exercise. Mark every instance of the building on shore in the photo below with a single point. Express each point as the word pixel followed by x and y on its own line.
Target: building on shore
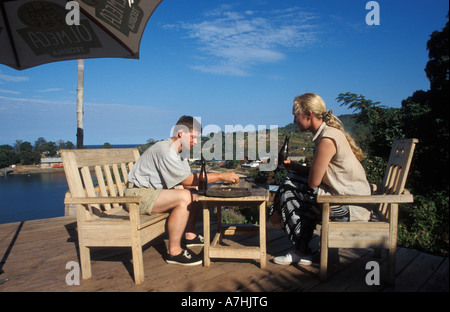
pixel 51 162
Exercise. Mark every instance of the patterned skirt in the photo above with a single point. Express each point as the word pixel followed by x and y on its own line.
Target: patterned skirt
pixel 296 203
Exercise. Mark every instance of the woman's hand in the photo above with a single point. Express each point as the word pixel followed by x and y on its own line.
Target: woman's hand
pixel 295 166
pixel 288 164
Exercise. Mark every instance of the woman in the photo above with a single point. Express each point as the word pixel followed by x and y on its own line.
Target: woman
pixel 335 170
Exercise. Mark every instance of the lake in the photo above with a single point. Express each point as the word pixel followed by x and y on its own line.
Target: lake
pixel 25 197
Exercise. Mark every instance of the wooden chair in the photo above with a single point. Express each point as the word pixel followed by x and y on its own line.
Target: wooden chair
pixel 380 234
pixel 105 217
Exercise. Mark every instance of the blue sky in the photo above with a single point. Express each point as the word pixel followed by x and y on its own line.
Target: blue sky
pixel 230 63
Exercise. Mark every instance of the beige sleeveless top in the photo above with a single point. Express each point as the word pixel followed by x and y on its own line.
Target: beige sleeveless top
pixel 345 175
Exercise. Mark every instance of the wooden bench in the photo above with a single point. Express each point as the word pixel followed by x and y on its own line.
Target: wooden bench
pixel 377 235
pixel 105 217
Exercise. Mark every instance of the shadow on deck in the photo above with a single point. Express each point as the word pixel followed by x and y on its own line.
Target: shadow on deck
pixel 34 255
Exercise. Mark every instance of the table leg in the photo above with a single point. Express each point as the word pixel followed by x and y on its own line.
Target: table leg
pixel 206 234
pixel 219 221
pixel 262 234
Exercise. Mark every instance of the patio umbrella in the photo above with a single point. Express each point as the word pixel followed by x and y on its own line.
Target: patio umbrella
pixel 38 32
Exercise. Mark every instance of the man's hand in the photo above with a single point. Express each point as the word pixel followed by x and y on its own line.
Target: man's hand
pixel 213 177
pixel 229 177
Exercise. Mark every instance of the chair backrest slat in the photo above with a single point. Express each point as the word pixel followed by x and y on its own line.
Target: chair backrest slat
pixel 98 172
pixel 102 185
pixel 118 180
pixel 110 181
pixel 397 170
pixel 398 166
pixel 89 184
pixel 123 167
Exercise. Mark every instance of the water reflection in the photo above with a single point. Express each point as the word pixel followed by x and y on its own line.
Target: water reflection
pixel 33 196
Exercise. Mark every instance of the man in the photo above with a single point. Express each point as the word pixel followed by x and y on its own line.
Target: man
pixel 159 169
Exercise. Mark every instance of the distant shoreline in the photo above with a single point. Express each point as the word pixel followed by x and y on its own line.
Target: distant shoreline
pixel 29 169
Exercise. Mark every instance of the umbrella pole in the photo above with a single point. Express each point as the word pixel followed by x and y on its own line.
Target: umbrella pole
pixel 80 93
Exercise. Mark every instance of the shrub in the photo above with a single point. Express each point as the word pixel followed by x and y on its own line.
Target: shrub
pixel 230 215
pixel 374 167
pixel 423 225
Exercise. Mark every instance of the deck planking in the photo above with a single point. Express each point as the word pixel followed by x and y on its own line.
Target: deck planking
pixel 34 255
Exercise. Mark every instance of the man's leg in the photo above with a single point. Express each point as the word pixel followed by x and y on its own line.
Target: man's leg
pixel 194 209
pixel 179 201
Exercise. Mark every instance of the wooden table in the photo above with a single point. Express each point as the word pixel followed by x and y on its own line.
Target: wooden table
pixel 259 196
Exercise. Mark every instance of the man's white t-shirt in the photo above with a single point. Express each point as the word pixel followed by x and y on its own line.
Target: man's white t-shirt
pixel 160 167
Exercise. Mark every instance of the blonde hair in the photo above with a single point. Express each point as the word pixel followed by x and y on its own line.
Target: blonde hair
pixel 314 103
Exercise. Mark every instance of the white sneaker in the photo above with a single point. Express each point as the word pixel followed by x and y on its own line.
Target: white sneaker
pixel 292 257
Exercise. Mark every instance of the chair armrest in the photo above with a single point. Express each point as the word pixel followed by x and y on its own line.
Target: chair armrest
pixel 364 199
pixel 133 207
pixel 103 200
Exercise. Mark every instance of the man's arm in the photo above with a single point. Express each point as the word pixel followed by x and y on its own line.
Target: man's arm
pixel 192 179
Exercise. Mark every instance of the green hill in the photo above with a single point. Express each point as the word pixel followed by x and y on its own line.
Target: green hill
pixel 300 143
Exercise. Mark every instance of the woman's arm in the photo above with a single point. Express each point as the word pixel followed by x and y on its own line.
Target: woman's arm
pixel 297 167
pixel 325 151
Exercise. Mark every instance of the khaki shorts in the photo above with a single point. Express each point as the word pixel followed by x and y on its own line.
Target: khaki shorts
pixel 148 198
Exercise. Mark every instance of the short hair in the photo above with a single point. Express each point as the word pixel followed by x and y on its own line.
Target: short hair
pixel 188 122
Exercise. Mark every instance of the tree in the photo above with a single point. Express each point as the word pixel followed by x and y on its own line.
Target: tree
pixel 27 155
pixel 25 147
pixel 425 116
pixel 17 144
pixel 39 144
pixel 381 124
pixel 50 149
pixel 107 145
pixel 69 145
pixel 437 70
pixel 60 144
pixel 8 156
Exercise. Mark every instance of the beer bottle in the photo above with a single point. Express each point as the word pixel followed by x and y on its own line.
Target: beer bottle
pixel 283 153
pixel 202 179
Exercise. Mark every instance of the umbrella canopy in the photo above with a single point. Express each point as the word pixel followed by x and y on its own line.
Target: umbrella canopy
pixel 38 32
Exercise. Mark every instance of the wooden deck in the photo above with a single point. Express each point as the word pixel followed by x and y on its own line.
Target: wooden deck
pixel 34 255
